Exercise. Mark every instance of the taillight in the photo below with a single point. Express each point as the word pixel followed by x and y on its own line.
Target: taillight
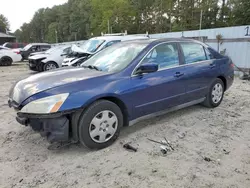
pixel 17 52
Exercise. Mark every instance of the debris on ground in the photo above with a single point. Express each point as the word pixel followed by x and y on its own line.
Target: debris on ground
pixel 165 145
pixel 182 135
pixel 131 172
pixel 164 142
pixel 207 159
pixel 154 170
pixel 60 145
pixel 226 152
pixel 169 144
pixel 164 150
pixel 129 147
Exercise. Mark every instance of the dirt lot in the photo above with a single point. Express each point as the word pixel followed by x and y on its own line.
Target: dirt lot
pixel 211 149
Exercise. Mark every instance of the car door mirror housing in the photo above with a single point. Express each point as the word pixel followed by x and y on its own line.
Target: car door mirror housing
pixel 146 68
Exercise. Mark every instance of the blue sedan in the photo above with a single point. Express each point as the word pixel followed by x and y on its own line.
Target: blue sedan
pixel 118 86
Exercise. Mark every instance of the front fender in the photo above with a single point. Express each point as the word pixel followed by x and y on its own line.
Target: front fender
pixel 76 101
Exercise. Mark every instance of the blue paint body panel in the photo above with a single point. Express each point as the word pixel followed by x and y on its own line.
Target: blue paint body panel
pixel 141 94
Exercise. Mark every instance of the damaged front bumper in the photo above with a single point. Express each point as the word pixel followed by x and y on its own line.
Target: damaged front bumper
pixel 56 127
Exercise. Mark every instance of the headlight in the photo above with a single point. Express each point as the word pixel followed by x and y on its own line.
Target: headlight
pixel 45 105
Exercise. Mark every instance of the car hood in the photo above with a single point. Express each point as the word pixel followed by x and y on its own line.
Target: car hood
pixel 79 50
pixel 47 80
pixel 36 53
pixel 38 56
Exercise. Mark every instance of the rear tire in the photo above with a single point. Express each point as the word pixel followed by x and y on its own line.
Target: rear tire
pixel 215 94
pixel 100 124
pixel 6 61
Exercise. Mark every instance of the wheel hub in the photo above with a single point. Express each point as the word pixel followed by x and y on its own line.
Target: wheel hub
pixel 217 93
pixel 103 126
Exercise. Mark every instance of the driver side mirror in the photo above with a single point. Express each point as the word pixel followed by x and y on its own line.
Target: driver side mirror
pixel 146 68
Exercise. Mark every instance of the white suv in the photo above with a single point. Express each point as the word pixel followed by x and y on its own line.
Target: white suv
pixel 94 45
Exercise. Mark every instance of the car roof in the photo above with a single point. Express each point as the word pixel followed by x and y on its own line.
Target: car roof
pixel 122 38
pixel 157 41
pixel 39 44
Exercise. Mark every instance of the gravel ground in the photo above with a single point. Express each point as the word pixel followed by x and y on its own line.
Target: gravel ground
pixel 211 149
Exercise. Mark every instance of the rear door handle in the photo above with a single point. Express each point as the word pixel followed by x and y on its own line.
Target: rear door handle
pixel 178 74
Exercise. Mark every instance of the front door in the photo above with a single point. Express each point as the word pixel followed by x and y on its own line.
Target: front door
pixel 159 90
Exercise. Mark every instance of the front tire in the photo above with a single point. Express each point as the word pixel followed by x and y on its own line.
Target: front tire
pixel 50 66
pixel 215 95
pixel 99 126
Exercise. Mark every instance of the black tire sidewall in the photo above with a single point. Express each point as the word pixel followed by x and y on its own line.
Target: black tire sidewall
pixel 46 64
pixel 9 63
pixel 210 92
pixel 89 114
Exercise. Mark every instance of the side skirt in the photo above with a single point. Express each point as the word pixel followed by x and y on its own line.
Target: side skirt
pixel 191 103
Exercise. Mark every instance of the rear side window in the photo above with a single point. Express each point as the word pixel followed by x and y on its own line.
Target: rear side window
pixel 9 45
pixel 44 48
pixel 193 52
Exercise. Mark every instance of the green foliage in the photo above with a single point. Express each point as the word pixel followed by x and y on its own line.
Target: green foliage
pixel 82 19
pixel 4 24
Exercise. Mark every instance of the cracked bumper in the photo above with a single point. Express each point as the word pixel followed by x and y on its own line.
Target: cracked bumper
pixel 55 129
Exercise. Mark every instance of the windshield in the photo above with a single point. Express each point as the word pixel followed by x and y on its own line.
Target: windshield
pixel 27 47
pixel 115 58
pixel 92 45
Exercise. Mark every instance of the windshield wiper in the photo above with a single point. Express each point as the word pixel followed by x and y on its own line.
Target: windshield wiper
pixel 92 67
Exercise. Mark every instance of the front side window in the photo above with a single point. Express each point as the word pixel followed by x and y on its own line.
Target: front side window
pixel 193 52
pixel 9 45
pixel 35 48
pixel 115 58
pixel 165 55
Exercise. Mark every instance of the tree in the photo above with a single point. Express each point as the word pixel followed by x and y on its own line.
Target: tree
pixel 4 24
pixel 79 19
pixel 241 12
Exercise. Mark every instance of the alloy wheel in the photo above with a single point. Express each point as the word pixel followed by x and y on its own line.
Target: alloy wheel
pixel 50 66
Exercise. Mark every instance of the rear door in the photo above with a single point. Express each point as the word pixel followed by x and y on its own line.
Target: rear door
pixel 159 90
pixel 200 70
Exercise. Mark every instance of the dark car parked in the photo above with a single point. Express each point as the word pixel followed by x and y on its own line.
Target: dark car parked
pixel 34 47
pixel 13 45
pixel 120 85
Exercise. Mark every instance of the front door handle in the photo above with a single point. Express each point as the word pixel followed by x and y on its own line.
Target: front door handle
pixel 212 65
pixel 178 74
